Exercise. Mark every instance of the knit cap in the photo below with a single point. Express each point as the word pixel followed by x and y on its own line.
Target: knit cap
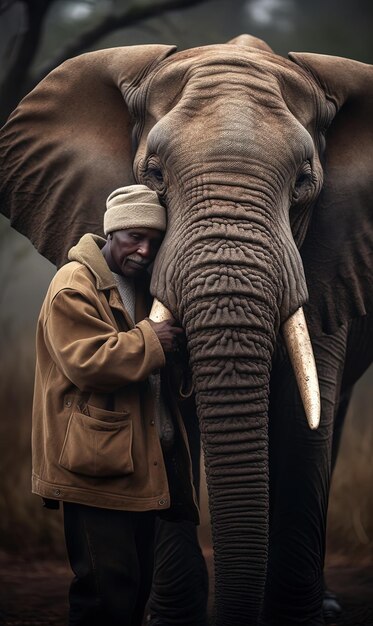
pixel 134 206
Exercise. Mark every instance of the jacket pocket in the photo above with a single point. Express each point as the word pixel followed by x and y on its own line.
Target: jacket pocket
pixel 99 444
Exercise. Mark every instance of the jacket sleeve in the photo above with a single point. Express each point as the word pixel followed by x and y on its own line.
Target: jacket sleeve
pixel 91 352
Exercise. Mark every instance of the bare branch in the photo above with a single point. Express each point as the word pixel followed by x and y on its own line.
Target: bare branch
pixel 13 85
pixel 137 13
pixel 18 80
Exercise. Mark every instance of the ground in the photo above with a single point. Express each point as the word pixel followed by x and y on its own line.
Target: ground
pixel 35 593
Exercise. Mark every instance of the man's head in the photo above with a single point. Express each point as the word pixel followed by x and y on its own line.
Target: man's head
pixel 135 223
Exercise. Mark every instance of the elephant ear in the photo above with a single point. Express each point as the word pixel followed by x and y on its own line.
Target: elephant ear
pixel 69 144
pixel 338 250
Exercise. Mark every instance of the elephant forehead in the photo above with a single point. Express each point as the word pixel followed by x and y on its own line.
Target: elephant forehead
pixel 203 84
pixel 207 77
pixel 211 123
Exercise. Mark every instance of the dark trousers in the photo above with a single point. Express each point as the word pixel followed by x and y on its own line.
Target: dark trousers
pixel 180 583
pixel 111 554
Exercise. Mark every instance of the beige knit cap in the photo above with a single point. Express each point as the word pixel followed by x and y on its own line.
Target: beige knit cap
pixel 134 206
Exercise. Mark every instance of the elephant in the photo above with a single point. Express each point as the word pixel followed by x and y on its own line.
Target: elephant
pixel 265 166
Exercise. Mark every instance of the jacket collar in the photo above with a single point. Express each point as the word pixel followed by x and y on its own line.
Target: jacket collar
pixel 88 252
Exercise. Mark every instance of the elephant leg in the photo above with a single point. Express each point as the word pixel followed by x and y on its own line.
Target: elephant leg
pixel 330 606
pixel 300 462
pixel 339 420
pixel 180 583
pixel 358 359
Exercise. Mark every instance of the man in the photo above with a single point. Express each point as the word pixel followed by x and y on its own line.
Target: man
pixel 108 439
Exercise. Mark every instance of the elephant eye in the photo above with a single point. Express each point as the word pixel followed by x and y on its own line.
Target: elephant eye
pixel 303 182
pixel 154 174
pixel 304 176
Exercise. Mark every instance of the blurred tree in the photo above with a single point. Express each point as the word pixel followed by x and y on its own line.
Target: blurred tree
pixel 22 25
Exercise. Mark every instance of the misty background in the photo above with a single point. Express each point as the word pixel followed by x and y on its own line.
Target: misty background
pixel 37 35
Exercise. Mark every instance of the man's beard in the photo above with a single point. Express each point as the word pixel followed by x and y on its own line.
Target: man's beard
pixel 137 258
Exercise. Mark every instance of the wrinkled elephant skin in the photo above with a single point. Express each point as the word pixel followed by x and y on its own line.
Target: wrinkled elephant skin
pixel 265 167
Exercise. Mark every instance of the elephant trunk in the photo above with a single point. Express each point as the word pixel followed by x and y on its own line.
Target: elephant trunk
pixel 231 359
pixel 231 364
pixel 228 291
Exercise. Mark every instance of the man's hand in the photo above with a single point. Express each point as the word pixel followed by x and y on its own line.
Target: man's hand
pixel 169 334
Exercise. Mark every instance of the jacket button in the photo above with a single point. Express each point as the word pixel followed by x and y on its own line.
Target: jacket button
pixel 68 403
pixel 162 502
pixel 57 492
pixel 152 423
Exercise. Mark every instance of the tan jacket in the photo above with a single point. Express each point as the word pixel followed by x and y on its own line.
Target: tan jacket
pixel 94 438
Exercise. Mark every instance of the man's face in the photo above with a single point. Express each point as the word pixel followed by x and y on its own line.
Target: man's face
pixel 133 249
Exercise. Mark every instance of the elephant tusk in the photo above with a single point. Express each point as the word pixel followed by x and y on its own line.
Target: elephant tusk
pixel 159 313
pixel 301 355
